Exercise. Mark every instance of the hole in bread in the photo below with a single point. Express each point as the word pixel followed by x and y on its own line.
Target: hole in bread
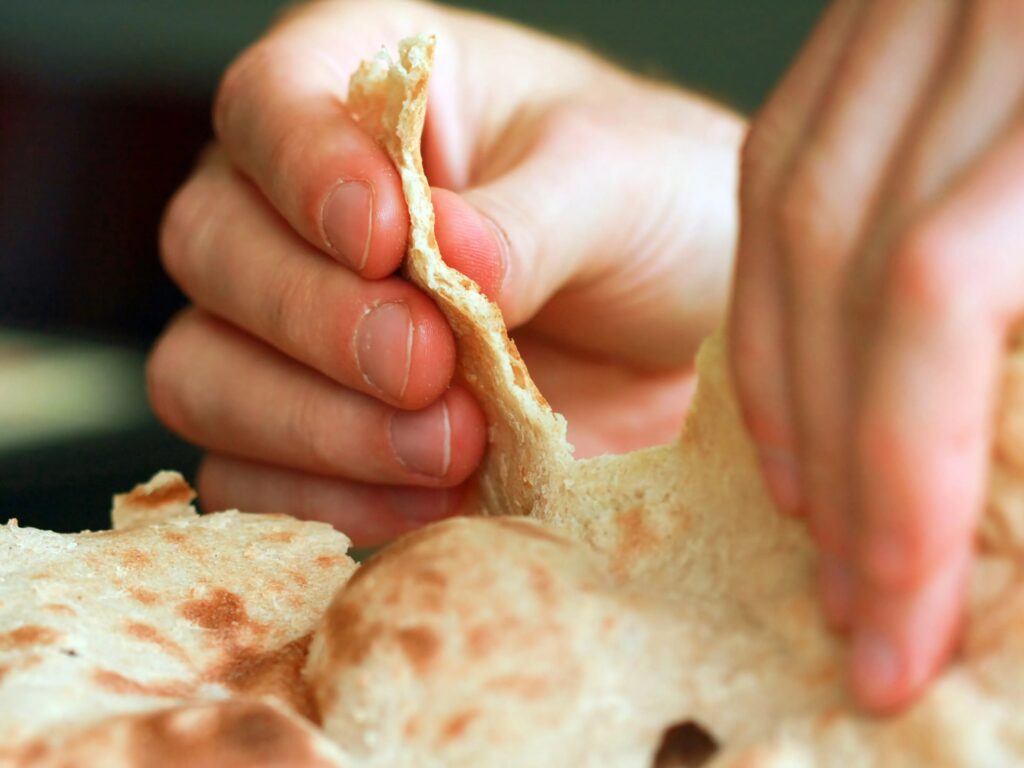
pixel 685 745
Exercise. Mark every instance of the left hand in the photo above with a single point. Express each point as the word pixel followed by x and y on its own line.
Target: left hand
pixel 595 207
pixel 880 267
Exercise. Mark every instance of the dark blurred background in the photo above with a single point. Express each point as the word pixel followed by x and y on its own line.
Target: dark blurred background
pixel 103 107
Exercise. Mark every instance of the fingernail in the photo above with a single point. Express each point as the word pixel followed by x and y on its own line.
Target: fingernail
pixel 837 590
pixel 383 342
pixel 348 221
pixel 419 505
pixel 782 478
pixel 422 440
pixel 875 666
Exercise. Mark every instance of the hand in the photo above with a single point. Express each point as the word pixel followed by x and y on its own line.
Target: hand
pixel 595 207
pixel 880 265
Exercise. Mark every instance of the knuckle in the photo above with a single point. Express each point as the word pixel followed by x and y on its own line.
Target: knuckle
pixel 291 141
pixel 184 232
pixel 916 544
pixel 163 380
pixel 174 230
pixel 807 221
pixel 307 423
pixel 921 516
pixel 924 274
pixel 254 117
pixel 287 308
pixel 583 128
pixel 236 84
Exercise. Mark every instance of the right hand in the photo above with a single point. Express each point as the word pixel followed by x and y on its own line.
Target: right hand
pixel 879 278
pixel 596 208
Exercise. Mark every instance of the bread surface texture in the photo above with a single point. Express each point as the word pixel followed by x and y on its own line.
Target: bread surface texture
pixel 591 608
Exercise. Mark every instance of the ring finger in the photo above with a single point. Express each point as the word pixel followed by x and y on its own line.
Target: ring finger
pixel 368 514
pixel 229 393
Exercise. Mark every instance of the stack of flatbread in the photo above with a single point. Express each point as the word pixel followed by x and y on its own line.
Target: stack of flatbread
pixel 638 610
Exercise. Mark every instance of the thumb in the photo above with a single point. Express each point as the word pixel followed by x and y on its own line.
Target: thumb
pixel 481 232
pixel 469 242
pixel 609 234
pixel 548 216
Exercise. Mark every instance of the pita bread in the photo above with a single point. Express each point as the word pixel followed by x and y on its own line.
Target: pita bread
pixel 168 608
pixel 646 591
pixel 636 610
pixel 389 100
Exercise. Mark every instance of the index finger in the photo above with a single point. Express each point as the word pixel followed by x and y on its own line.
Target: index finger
pixel 280 115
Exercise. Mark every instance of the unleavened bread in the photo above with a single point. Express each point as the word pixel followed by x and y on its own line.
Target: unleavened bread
pixel 593 607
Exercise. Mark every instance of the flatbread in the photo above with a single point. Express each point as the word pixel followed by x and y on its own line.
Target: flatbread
pixel 167 609
pixel 639 593
pixel 651 609
pixel 527 439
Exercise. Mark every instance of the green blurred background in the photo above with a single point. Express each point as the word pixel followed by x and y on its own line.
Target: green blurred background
pixel 103 107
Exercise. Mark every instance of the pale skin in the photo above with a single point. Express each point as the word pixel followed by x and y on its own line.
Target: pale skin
pixel 882 188
pixel 878 274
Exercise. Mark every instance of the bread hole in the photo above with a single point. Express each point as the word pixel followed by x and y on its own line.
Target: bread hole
pixel 685 745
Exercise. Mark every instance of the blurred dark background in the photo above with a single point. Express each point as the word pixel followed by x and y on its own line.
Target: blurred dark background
pixel 103 107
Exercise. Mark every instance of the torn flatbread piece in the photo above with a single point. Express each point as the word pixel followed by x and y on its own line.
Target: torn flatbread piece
pixel 528 440
pixel 168 608
pixel 647 594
